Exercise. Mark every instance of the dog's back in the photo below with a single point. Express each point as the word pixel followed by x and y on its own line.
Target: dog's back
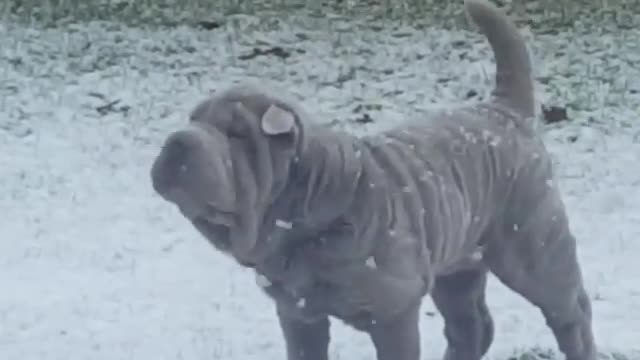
pixel 460 163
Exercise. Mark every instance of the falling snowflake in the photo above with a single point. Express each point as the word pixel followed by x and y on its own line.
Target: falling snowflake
pixel 262 281
pixel 476 255
pixel 284 224
pixel 371 262
pixel 301 303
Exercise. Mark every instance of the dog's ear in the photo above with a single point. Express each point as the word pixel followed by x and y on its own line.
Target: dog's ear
pixel 277 121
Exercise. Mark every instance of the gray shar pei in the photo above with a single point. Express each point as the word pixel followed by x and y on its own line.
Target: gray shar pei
pixel 362 228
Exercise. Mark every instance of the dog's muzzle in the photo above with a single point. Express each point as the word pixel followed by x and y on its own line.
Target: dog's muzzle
pixel 193 171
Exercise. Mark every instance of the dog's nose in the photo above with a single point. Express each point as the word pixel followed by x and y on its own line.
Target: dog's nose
pixel 173 161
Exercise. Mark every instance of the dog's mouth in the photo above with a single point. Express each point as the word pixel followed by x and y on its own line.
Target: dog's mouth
pixel 215 225
pixel 217 234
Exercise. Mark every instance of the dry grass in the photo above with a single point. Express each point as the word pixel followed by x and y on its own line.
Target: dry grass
pixel 550 14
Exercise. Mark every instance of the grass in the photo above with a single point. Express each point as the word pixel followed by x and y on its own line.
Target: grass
pixel 548 14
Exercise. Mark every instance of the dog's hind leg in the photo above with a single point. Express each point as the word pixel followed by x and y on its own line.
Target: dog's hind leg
pixel 304 340
pixel 555 286
pixel 534 254
pixel 468 326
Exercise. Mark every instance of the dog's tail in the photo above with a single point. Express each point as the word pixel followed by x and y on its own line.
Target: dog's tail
pixel 514 82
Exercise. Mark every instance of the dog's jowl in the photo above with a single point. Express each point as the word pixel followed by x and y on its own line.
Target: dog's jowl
pixel 362 228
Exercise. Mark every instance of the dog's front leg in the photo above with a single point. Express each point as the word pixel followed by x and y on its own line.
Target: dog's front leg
pixel 305 340
pixel 398 338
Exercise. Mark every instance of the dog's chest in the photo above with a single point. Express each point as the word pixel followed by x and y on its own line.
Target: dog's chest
pixel 313 282
pixel 313 298
pixel 307 285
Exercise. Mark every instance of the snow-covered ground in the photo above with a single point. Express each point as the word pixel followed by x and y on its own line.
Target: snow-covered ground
pixel 94 266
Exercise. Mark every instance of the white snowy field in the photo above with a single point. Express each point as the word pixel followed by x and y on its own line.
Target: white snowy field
pixel 93 265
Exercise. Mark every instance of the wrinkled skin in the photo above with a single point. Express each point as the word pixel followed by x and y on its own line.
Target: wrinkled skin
pixel 361 229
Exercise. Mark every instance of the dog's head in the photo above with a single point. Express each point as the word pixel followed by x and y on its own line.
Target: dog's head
pixel 228 163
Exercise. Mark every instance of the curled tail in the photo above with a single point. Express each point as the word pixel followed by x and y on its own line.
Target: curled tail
pixel 514 82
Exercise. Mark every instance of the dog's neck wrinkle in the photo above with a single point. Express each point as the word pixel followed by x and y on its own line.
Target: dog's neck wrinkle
pixel 327 174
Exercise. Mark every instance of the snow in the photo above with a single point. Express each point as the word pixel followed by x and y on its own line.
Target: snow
pixel 262 280
pixel 371 262
pixel 287 225
pixel 301 302
pixel 94 265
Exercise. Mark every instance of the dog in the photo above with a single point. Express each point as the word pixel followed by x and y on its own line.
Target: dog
pixel 363 228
